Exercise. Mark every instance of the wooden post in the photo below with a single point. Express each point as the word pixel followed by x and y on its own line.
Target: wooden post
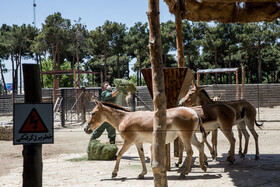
pixel 55 88
pixel 197 79
pixel 237 89
pixel 83 104
pixel 63 108
pixel 132 103
pixel 101 77
pixel 159 99
pixel 243 82
pixel 179 38
pixel 32 154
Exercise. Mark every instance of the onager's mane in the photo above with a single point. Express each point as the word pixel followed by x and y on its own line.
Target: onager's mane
pixel 112 105
pixel 206 94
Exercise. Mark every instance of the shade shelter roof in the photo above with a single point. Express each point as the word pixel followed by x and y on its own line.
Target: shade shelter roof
pixel 226 11
pixel 216 70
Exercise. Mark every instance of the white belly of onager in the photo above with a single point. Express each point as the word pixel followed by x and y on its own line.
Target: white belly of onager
pixel 210 126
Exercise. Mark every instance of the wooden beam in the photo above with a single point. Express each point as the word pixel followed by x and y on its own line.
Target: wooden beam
pixel 243 82
pixel 237 88
pixel 32 154
pixel 159 99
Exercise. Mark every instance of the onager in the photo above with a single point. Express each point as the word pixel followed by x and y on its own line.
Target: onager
pixel 212 117
pixel 137 128
pixel 245 116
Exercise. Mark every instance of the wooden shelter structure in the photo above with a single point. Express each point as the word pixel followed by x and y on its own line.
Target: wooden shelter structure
pixel 225 11
pixel 176 82
pixel 225 70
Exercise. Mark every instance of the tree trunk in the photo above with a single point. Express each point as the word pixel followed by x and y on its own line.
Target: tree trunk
pixel 165 59
pixel 16 77
pixel 159 99
pixel 128 70
pixel 140 66
pixel 20 76
pixel 13 77
pixel 179 38
pixel 229 65
pixel 118 65
pixel 259 62
pixel 216 66
pixel 3 78
pixel 189 61
pixel 72 68
pixel 105 61
pixel 55 85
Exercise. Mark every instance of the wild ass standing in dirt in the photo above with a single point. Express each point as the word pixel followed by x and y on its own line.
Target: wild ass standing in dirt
pixel 245 115
pixel 137 128
pixel 214 116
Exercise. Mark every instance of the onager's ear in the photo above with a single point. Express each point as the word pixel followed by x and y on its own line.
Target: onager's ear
pixel 193 85
pixel 96 101
pixel 200 88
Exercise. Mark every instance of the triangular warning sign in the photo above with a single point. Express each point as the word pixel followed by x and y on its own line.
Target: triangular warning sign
pixel 33 123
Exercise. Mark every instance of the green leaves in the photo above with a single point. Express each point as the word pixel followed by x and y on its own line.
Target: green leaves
pixel 125 86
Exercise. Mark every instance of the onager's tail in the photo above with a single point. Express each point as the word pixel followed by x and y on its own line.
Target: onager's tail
pixel 258 124
pixel 202 130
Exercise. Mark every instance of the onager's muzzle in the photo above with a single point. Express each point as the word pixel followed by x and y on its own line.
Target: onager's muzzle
pixel 181 102
pixel 87 129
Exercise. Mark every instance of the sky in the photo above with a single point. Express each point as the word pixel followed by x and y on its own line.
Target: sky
pixel 93 13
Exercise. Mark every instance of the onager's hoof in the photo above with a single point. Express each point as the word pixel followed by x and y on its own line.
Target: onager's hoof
pixel 140 176
pixel 257 157
pixel 182 176
pixel 230 160
pixel 204 168
pixel 242 155
pixel 114 175
pixel 206 163
pixel 177 164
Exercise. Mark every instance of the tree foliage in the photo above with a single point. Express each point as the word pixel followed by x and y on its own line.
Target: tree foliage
pixel 109 49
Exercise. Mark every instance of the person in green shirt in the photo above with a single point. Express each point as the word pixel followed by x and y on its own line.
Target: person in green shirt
pixel 108 95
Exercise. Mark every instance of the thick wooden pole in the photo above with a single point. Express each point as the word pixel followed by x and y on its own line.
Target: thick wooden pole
pixel 32 154
pixel 237 87
pixel 179 39
pixel 159 99
pixel 243 82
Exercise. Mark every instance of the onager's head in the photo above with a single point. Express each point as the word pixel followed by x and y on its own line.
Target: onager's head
pixel 96 119
pixel 192 98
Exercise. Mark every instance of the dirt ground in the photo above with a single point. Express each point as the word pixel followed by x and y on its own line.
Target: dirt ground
pixel 65 164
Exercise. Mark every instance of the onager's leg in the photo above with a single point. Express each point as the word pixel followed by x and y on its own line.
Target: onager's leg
pixel 124 148
pixel 181 150
pixel 186 138
pixel 142 159
pixel 211 150
pixel 242 128
pixel 214 144
pixel 229 135
pixel 250 125
pixel 202 156
pixel 240 139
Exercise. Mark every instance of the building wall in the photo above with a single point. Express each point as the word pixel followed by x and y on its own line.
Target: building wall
pixel 262 95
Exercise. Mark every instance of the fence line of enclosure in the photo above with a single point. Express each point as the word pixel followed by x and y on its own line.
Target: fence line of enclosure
pixel 75 103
